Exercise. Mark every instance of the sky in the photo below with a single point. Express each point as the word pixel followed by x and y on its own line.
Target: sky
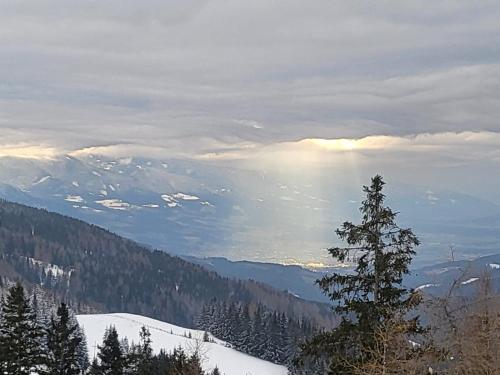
pixel 410 88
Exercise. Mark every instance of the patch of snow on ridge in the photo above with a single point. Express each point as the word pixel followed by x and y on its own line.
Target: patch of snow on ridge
pixel 441 270
pixel 173 199
pixel 115 204
pixel 471 280
pixel 53 269
pixel 495 266
pixel 74 199
pixel 125 161
pixel 168 198
pixel 171 202
pixel 168 337
pixel 42 180
pixel 185 197
pixel 425 286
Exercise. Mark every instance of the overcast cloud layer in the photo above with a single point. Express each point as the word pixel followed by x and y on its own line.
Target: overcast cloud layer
pixel 231 79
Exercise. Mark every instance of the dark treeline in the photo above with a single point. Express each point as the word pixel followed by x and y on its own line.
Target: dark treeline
pixel 255 330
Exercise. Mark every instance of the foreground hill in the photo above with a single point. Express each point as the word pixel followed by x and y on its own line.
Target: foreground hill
pixel 169 337
pixel 93 267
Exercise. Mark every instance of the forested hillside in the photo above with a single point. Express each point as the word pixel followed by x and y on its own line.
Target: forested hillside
pixel 97 269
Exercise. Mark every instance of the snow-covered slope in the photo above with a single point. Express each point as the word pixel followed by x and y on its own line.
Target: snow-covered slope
pixel 167 336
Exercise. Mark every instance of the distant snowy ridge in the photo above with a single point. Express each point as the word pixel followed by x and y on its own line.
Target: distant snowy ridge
pixel 173 200
pixel 74 199
pixel 471 280
pixel 42 180
pixel 168 336
pixel 115 204
pixel 421 287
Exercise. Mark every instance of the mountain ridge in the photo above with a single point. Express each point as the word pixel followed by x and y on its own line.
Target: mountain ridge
pixel 87 264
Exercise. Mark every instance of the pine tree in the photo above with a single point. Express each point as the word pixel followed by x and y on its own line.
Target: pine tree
pixel 206 337
pixel 244 330
pixel 179 361
pixel 112 361
pixel 194 366
pixel 42 311
pixel 20 336
pixel 372 295
pixel 284 339
pixel 145 353
pixel 39 336
pixel 82 354
pixel 94 368
pixel 203 320
pixel 258 347
pixel 272 333
pixel 64 342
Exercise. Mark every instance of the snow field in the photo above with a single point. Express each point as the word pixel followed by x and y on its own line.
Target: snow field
pixel 168 337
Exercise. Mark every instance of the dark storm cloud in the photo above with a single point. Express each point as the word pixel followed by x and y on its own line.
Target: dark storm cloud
pixel 205 76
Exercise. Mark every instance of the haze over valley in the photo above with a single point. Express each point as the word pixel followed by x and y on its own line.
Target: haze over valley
pixel 202 208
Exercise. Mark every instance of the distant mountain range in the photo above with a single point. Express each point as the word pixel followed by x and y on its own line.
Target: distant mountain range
pixel 464 275
pixel 197 208
pixel 436 279
pixel 296 280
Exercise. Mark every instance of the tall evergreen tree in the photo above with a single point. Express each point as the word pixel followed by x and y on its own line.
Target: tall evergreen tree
pixel 194 366
pixel 144 353
pixel 20 336
pixel 258 347
pixel 244 330
pixel 64 341
pixel 112 361
pixel 94 368
pixel 82 354
pixel 372 295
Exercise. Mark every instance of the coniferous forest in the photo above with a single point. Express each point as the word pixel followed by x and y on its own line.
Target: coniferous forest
pixel 256 330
